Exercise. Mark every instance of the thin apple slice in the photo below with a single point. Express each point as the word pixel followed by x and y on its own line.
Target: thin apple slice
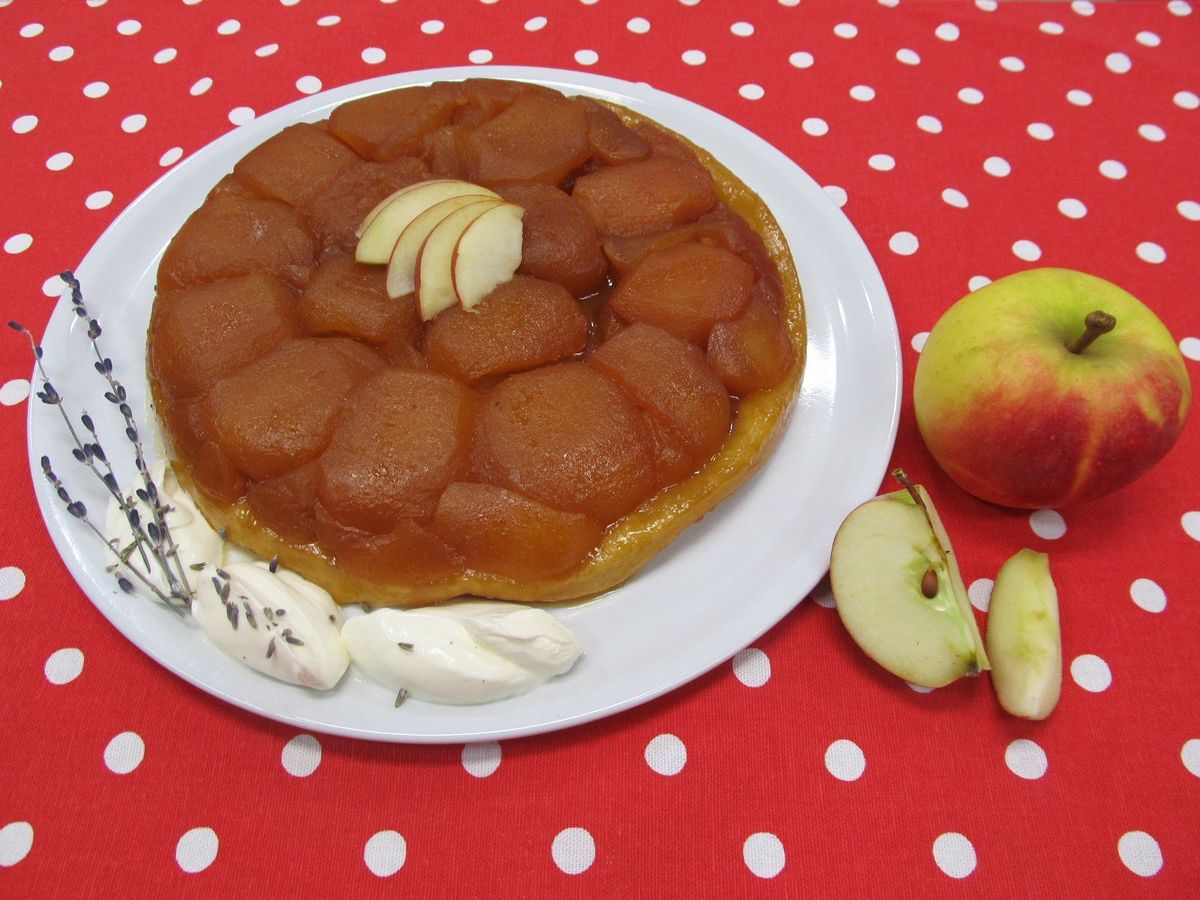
pixel 434 265
pixel 379 236
pixel 402 265
pixel 899 592
pixel 378 207
pixel 1023 637
pixel 488 253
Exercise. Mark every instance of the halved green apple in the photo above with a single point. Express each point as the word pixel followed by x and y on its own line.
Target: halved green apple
pixel 382 226
pixel 434 272
pixel 402 265
pixel 898 590
pixel 1023 637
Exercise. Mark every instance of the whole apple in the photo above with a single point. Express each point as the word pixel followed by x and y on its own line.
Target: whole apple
pixel 1048 387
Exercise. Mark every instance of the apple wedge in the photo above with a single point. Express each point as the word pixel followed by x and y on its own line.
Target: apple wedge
pixel 375 210
pixel 402 265
pixel 899 593
pixel 434 274
pixel 383 226
pixel 488 253
pixel 1023 637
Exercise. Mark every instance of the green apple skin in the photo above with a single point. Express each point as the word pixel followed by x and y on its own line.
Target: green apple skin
pixel 1017 419
pixel 1024 640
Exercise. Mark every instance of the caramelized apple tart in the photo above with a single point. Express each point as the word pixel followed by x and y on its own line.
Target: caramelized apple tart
pixel 541 446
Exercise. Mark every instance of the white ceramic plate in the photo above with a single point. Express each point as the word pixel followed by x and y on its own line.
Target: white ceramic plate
pixel 717 589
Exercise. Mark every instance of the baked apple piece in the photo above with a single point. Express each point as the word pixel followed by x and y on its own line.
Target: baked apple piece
pixel 347 298
pixel 408 553
pixel 285 504
pixel 404 436
pixel 752 351
pixel 390 125
pixel 685 289
pixel 567 436
pixel 646 196
pixel 541 137
pixel 502 533
pixel 560 243
pixel 296 164
pixel 612 141
pixel 522 324
pixel 335 213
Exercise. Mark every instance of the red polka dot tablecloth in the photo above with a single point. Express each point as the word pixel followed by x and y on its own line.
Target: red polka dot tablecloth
pixel 964 141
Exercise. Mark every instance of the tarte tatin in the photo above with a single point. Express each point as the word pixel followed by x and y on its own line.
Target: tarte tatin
pixel 542 446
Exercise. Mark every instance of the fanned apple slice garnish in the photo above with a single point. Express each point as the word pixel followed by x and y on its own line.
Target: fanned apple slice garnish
pixel 402 264
pixel 383 225
pixel 488 253
pixel 434 279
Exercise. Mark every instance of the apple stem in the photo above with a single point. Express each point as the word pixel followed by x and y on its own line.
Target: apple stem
pixel 1095 324
pixel 901 476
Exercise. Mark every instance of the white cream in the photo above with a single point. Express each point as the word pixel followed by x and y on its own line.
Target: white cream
pixel 461 653
pixel 275 622
pixel 195 539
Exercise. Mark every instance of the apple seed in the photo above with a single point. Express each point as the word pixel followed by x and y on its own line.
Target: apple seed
pixel 929 584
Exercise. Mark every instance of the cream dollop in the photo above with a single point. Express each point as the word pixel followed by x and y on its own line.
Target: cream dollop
pixel 461 653
pixel 197 543
pixel 275 622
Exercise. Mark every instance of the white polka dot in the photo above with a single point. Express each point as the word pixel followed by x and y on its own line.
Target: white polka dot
pixel 32 30
pixel 918 688
pixel 881 162
pixel 308 84
pixel 997 165
pixel 481 760
pixel 373 56
pixel 480 57
pixel 1150 252
pixel 1113 169
pixel 1148 39
pixel 954 854
pixel 1040 131
pixel 980 593
pixel 947 31
pixel 822 595
pixel 790 3
pixel 1140 853
pixel 1151 132
pixel 1179 8
pixel 1083 7
pixel 752 667
pixel 124 752
pixel 908 57
pixel 288 2
pixel 1046 523
pixel 1026 250
pixel 931 124
pixel 978 281
pixel 573 850
pixel 763 854
pixel 1012 64
pixel 12 579
pixel 666 754
pixel 18 243
pixel 537 23
pixel 95 89
pixel 845 760
pixel 24 124
pixel 165 55
pixel 751 91
pixel 98 200
pixel 955 198
pixel 815 126
pixel 891 4
pixel 62 666
pixel 16 840
pixel 1189 209
pixel 970 95
pixel 1026 759
pixel 1190 347
pixel 1186 100
pixel 987 5
pixel 1051 28
pixel 53 286
pixel 801 59
pixel 836 193
pixel 845 30
pixel 1191 524
pixel 1091 673
pixel 240 115
pixel 1147 595
pixel 862 92
pixel 742 29
pixel 197 850
pixel 1118 63
pixel 903 243
pixel 134 123
pixel 638 25
pixel 587 57
pixel 918 340
pixel 128 27
pixel 14 392
pixel 200 86
pixel 266 50
pixel 329 21
pixel 385 852
pixel 1078 97
pixel 1072 208
pixel 433 26
pixel 301 755
pixel 693 57
pixel 1190 754
pixel 61 54
pixel 229 26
